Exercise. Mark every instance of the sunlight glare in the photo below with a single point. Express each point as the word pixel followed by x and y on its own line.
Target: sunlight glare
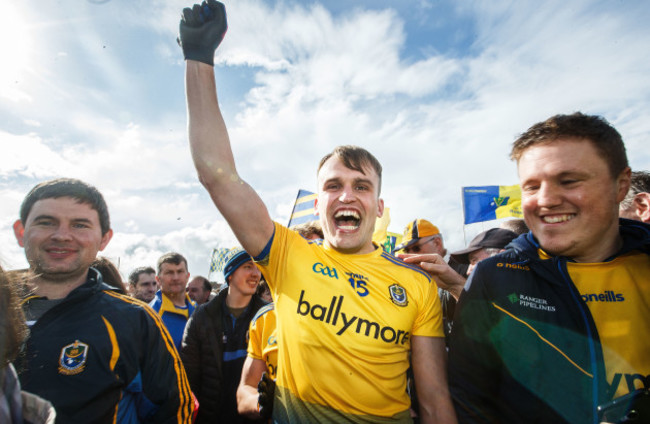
pixel 15 46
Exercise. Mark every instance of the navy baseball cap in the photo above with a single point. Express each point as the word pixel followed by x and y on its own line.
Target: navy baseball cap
pixel 497 238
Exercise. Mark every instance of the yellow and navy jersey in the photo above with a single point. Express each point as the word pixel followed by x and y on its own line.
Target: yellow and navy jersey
pixel 174 317
pixel 345 324
pixel 540 338
pixel 618 296
pixel 262 343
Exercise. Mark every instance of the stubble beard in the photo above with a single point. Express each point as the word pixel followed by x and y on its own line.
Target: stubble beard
pixel 55 276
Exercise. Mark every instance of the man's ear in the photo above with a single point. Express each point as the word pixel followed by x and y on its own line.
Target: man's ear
pixel 105 239
pixel 623 181
pixel 642 206
pixel 380 208
pixel 19 232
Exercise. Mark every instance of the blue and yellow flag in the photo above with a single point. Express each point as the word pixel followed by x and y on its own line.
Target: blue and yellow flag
pixel 392 240
pixel 218 259
pixel 485 203
pixel 303 209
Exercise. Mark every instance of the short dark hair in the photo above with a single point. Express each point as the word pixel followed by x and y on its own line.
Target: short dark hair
pixel 172 258
pixel 67 187
pixel 596 129
pixel 355 158
pixel 206 283
pixel 639 183
pixel 134 276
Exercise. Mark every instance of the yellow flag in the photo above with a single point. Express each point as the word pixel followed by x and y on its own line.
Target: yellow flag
pixel 381 227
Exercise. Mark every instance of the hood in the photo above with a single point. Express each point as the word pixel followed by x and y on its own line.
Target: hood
pixel 636 236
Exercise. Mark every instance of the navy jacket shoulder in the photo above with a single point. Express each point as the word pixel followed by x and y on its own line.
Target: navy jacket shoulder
pixel 101 356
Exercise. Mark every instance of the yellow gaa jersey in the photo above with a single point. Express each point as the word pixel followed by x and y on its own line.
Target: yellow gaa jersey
pixel 262 343
pixel 618 296
pixel 344 331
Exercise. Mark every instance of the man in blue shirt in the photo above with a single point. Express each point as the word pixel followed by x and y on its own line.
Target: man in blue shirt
pixel 172 302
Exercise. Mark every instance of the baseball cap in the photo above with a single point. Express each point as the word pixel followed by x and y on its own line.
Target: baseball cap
pixel 497 238
pixel 235 259
pixel 415 231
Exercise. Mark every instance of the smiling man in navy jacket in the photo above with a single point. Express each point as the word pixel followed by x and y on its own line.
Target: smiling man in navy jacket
pixel 97 355
pixel 557 324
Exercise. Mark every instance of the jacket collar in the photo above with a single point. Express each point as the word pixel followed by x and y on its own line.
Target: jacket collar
pixel 636 236
pixel 166 305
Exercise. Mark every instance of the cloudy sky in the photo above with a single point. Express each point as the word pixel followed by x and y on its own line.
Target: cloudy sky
pixel 437 90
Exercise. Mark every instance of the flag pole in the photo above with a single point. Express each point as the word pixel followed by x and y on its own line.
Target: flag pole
pixel 462 202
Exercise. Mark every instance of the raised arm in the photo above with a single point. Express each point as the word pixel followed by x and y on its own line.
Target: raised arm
pixel 202 28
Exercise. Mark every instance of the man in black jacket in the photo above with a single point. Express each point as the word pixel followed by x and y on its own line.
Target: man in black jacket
pixel 97 355
pixel 558 323
pixel 215 341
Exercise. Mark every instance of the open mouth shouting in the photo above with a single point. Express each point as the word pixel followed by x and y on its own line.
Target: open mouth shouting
pixel 347 220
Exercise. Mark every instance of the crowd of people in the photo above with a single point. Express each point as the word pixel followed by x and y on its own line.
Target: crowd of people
pixel 544 319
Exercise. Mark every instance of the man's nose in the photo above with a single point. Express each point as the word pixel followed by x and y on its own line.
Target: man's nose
pixel 347 195
pixel 62 232
pixel 548 195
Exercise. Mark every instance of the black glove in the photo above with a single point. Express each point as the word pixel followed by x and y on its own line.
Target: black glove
pixel 266 389
pixel 201 30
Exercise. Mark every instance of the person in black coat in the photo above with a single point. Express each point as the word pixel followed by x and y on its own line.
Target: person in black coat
pixel 215 341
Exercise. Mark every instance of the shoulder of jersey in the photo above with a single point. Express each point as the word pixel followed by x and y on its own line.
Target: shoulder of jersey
pixel 264 309
pixel 401 263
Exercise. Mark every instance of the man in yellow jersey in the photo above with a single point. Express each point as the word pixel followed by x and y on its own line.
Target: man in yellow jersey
pixel 348 314
pixel 558 324
pixel 262 358
pixel 97 355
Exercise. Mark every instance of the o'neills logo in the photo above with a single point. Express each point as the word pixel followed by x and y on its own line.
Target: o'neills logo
pixel 333 315
pixel 513 266
pixel 606 296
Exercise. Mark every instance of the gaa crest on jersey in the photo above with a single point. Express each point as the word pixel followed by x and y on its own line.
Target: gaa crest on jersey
pixel 73 358
pixel 398 295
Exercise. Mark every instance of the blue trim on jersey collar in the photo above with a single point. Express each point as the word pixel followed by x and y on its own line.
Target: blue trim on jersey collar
pixel 400 262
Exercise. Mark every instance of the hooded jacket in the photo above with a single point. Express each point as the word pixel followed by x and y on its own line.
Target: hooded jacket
pixel 524 346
